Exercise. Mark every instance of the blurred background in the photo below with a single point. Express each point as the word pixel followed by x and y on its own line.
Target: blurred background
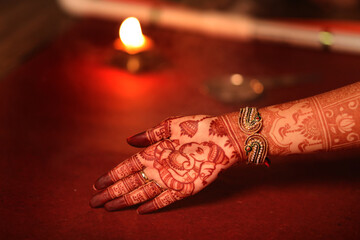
pixel 26 26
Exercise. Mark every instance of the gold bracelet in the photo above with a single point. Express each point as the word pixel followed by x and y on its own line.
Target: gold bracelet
pixel 256 145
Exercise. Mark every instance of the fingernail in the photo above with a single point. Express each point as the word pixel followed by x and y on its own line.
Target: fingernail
pixel 139 140
pixel 93 186
pixel 103 182
pixel 146 208
pixel 116 204
pixel 99 199
pixel 95 202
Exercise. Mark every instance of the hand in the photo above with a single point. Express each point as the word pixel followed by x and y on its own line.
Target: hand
pixel 183 155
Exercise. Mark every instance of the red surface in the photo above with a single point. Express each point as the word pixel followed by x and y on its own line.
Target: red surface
pixel 65 115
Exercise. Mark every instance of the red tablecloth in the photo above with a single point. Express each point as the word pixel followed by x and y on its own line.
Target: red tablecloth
pixel 66 113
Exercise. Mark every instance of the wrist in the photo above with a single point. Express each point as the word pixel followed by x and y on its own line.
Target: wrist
pixel 236 137
pixel 244 131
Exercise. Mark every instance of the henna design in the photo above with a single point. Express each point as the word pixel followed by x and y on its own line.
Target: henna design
pixel 126 168
pixel 165 199
pixel 149 153
pixel 189 128
pixel 142 194
pixel 159 132
pixel 153 152
pixel 228 143
pixel 310 129
pixel 126 185
pixel 276 132
pixel 304 144
pixel 179 169
pixel 341 121
pixel 235 155
pixel 325 121
pixel 217 128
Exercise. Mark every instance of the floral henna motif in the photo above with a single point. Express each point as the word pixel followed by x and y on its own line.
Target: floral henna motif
pixel 308 128
pixel 228 143
pixel 341 120
pixel 327 121
pixel 287 129
pixel 217 128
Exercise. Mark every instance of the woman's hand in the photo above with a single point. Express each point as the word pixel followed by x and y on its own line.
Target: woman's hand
pixel 183 155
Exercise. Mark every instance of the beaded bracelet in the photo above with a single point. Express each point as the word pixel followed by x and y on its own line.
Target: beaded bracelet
pixel 256 145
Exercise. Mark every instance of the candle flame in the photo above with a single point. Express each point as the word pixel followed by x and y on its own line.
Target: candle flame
pixel 131 36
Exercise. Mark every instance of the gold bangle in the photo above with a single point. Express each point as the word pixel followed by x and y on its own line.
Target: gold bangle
pixel 256 145
pixel 250 121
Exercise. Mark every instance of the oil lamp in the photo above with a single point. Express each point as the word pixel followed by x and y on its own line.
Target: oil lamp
pixel 133 50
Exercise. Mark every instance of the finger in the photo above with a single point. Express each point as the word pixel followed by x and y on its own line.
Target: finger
pixel 120 188
pixel 152 135
pixel 124 169
pixel 141 194
pixel 164 199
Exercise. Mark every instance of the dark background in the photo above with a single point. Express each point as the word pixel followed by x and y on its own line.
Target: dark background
pixel 65 113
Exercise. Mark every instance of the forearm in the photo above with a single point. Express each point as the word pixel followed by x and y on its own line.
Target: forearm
pixel 324 122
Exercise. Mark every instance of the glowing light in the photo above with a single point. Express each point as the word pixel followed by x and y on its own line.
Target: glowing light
pixel 131 38
pixel 131 34
pixel 236 79
pixel 257 86
pixel 133 64
pixel 326 38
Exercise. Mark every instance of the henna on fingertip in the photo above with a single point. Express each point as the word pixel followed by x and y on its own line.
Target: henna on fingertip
pixel 139 140
pixel 116 204
pixel 139 195
pixel 100 199
pixel 103 182
pixel 116 190
pixel 164 199
pixel 153 135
